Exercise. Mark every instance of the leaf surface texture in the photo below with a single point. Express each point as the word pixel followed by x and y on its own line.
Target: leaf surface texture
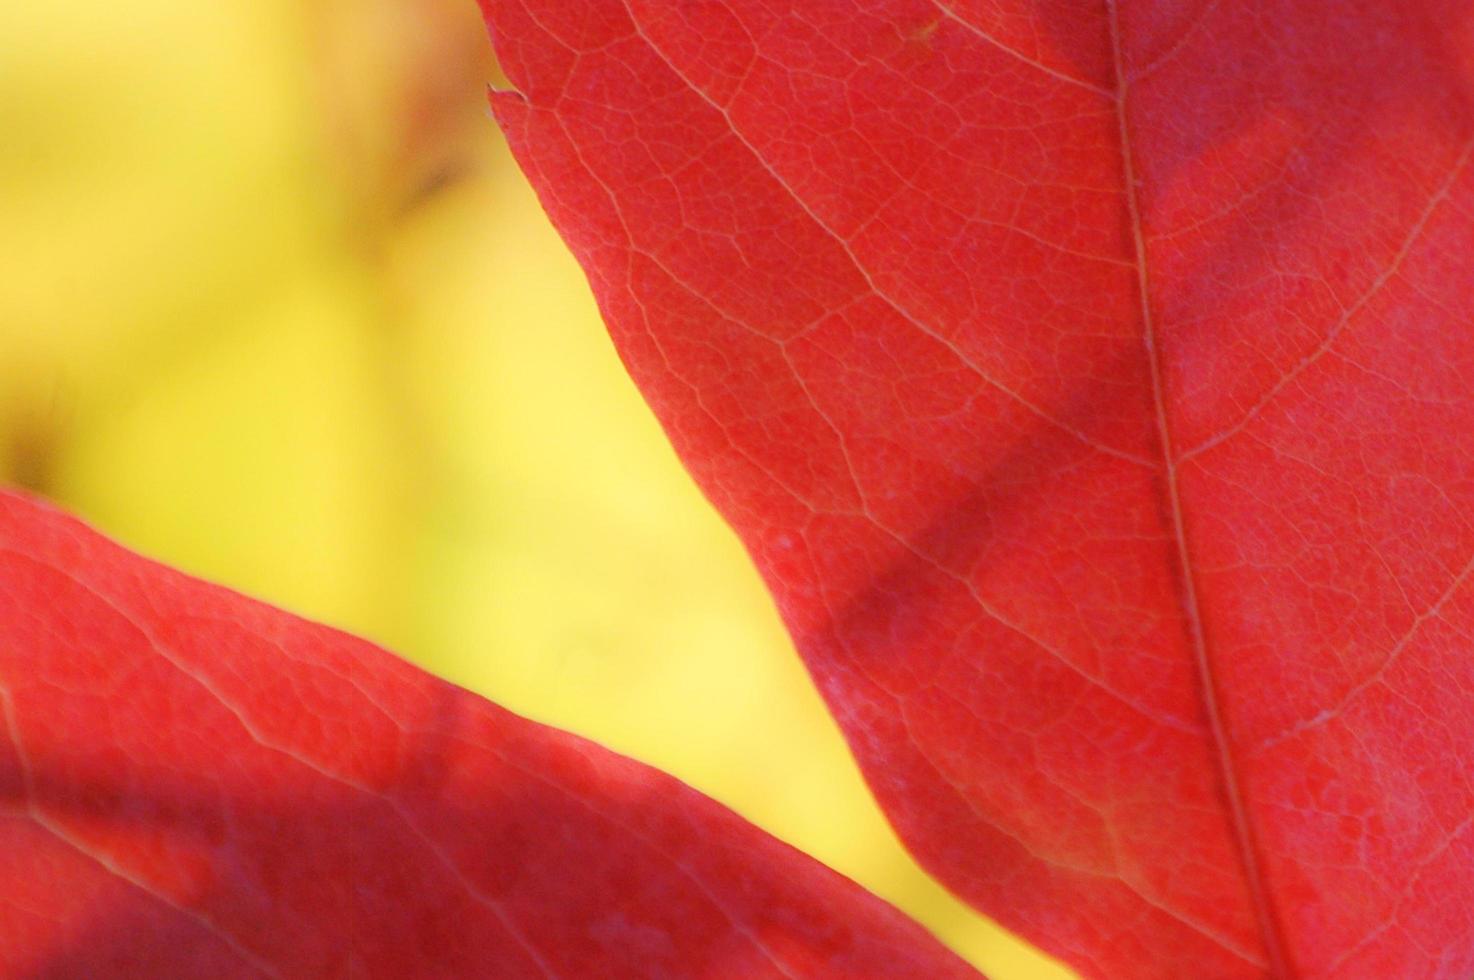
pixel 1092 383
pixel 193 784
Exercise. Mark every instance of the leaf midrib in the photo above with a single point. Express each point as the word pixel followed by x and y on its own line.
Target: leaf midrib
pixel 1243 829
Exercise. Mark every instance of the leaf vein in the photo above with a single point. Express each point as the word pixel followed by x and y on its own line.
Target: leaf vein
pixel 1440 195
pixel 865 274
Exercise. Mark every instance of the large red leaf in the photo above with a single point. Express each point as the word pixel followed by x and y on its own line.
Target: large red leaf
pixel 1094 385
pixel 196 785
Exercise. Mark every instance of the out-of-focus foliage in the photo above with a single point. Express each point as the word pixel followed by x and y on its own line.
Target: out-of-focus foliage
pixel 276 307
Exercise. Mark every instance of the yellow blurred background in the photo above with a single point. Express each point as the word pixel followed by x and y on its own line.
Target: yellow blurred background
pixel 277 308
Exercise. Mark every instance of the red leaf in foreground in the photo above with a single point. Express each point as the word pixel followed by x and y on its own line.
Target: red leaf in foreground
pixel 194 784
pixel 1094 386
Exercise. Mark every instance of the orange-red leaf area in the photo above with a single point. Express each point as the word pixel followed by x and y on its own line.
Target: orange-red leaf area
pixel 1093 383
pixel 193 784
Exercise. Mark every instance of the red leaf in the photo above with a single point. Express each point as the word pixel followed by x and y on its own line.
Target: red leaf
pixel 194 784
pixel 1093 384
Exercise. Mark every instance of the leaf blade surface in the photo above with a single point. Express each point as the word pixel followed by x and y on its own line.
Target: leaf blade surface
pixel 1089 384
pixel 195 784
